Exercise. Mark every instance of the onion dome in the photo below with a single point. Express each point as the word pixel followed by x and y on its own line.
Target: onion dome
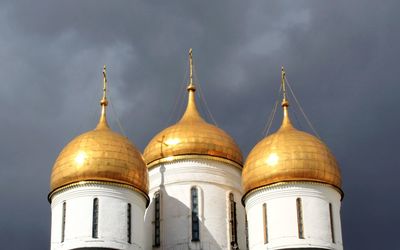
pixel 100 155
pixel 192 137
pixel 289 155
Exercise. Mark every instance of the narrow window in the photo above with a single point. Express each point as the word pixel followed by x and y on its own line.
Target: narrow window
pixel 129 221
pixel 265 223
pixel 195 214
pixel 64 210
pixel 331 218
pixel 247 231
pixel 157 231
pixel 300 225
pixel 95 220
pixel 233 221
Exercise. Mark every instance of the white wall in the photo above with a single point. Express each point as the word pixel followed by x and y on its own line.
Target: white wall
pixel 215 180
pixel 112 217
pixel 282 216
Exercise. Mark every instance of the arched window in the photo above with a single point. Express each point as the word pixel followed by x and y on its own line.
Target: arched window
pixel 331 219
pixel 64 210
pixel 195 214
pixel 157 225
pixel 300 226
pixel 265 222
pixel 233 221
pixel 95 219
pixel 129 222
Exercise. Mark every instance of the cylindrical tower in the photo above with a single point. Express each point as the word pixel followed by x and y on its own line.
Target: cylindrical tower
pixel 292 186
pixel 98 191
pixel 194 172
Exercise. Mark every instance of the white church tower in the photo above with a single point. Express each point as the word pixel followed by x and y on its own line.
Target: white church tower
pixel 98 191
pixel 195 189
pixel 292 186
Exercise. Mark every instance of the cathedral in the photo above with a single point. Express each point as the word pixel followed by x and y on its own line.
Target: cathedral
pixel 192 189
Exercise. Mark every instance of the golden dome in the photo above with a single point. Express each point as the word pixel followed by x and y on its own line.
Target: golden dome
pixel 289 155
pixel 192 136
pixel 100 155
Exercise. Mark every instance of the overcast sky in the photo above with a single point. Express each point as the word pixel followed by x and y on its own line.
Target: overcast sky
pixel 341 59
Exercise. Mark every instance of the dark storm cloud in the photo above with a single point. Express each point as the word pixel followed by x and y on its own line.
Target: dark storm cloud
pixel 341 59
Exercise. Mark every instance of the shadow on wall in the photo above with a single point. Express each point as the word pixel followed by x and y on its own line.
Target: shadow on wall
pixel 176 224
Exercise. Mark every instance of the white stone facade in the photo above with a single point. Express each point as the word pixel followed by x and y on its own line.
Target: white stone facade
pixel 282 218
pixel 214 181
pixel 112 217
pixel 272 212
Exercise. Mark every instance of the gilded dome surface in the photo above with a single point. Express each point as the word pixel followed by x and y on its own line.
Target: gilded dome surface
pixel 289 155
pixel 192 136
pixel 100 155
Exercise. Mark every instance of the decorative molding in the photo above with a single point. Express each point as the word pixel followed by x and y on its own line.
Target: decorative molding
pixel 96 184
pixel 193 157
pixel 290 189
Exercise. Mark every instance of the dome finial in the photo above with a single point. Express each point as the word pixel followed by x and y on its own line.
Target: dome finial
pixel 285 103
pixel 191 86
pixel 284 100
pixel 103 102
pixel 191 113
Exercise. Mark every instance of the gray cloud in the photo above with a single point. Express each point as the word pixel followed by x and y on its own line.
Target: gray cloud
pixel 341 60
